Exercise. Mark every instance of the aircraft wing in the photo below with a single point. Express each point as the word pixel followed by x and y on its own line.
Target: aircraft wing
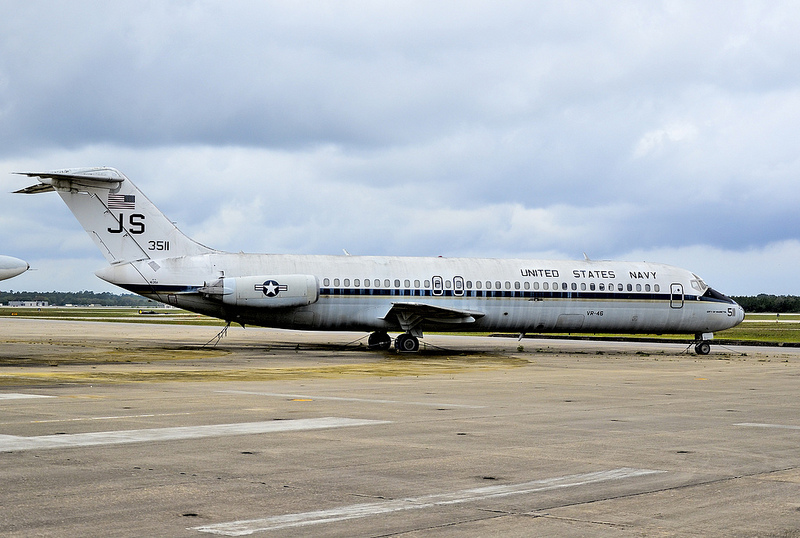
pixel 412 314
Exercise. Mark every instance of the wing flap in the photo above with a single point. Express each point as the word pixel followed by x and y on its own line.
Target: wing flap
pixel 412 314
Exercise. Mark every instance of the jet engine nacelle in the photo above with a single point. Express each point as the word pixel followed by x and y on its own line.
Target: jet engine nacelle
pixel 273 291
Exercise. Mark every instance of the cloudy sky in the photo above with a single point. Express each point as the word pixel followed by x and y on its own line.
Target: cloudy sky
pixel 659 131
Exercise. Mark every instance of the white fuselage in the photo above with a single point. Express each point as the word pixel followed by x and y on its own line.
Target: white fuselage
pixel 360 292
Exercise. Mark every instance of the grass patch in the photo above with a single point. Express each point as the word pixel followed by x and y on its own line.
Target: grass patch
pixel 173 316
pixel 394 367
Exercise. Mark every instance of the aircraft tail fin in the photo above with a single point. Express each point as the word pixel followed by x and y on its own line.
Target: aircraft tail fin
pixel 122 221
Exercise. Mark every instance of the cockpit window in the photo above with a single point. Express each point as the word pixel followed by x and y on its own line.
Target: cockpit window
pixel 698 284
pixel 711 293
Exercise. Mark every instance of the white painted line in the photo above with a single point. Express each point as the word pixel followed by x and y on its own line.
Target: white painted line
pixel 13 442
pixel 251 526
pixel 337 398
pixel 758 425
pixel 110 417
pixel 19 396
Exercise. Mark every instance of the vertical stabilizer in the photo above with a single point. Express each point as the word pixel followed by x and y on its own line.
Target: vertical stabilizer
pixel 122 221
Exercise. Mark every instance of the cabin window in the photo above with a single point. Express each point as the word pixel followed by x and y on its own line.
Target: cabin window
pixel 488 284
pixel 517 285
pixel 336 282
pixel 620 287
pixel 555 286
pixel 498 285
pixel 407 283
pixel 357 283
pixel 387 283
pixel 346 282
pixel 601 286
pixel 468 284
pixel 448 284
pixel 526 285
pixel 592 286
pixel 638 287
pixel 656 288
pixel 546 286
pixel 396 282
pixel 416 283
pixel 574 286
pixel 630 287
pixel 326 282
pixel 647 287
pixel 366 283
pixel 564 286
pixel 536 285
pixel 583 286
pixel 427 284
pixel 478 284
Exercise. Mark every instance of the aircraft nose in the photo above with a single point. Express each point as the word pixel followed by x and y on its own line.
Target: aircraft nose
pixel 739 314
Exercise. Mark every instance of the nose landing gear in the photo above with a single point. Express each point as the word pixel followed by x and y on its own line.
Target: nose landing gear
pixel 702 346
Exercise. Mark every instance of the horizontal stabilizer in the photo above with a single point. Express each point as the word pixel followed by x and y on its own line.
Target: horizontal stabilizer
pixel 36 189
pixel 98 177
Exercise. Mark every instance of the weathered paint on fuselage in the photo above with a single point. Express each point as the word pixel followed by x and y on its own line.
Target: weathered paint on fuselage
pixel 356 292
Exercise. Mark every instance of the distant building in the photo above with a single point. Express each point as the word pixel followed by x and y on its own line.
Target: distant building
pixel 29 303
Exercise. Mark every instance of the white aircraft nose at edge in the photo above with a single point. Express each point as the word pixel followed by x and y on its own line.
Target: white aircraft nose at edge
pixel 148 255
pixel 11 267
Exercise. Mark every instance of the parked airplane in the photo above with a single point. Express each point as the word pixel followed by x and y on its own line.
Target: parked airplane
pixel 11 267
pixel 148 255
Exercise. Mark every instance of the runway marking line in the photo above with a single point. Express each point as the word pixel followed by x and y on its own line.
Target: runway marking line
pixel 759 425
pixel 20 396
pixel 10 443
pixel 251 526
pixel 304 397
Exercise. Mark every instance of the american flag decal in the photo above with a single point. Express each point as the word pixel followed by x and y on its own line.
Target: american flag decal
pixel 121 201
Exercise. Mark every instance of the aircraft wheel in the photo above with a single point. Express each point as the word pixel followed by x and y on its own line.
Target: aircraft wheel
pixel 702 348
pixel 406 343
pixel 379 340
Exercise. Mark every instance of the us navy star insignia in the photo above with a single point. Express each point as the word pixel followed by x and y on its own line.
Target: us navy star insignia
pixel 270 288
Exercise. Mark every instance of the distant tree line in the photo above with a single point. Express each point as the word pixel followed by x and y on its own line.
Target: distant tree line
pixel 61 298
pixel 780 304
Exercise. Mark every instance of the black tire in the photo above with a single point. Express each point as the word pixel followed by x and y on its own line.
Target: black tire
pixel 406 343
pixel 379 340
pixel 702 348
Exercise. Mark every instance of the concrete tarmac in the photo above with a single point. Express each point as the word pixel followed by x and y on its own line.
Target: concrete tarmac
pixel 121 429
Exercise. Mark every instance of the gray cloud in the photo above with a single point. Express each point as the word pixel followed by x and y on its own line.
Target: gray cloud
pixel 468 128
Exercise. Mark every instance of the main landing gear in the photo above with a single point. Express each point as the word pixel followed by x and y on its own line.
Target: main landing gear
pixel 404 343
pixel 379 340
